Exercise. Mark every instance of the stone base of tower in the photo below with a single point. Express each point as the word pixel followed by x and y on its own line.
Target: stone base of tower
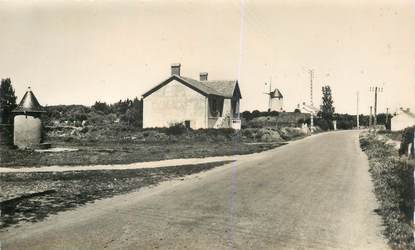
pixel 27 131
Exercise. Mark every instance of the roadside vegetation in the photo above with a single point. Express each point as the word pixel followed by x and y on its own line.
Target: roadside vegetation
pixel 31 197
pixel 113 134
pixel 117 144
pixel 393 185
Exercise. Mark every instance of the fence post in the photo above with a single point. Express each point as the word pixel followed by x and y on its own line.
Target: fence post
pixel 413 146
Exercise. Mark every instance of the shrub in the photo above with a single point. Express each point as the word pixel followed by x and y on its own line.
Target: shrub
pixel 291 133
pixel 393 182
pixel 323 124
pixel 176 129
pixel 344 124
pixel 407 138
pixel 155 136
pixel 262 134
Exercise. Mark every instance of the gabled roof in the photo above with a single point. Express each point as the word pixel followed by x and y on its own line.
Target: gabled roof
pixel 29 104
pixel 201 86
pixel 225 88
pixel 276 94
pixel 406 112
pixel 309 108
pixel 219 88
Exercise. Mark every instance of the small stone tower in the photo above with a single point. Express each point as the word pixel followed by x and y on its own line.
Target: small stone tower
pixel 276 101
pixel 27 122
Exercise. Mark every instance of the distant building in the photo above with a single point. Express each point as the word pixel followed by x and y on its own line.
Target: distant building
pixel 304 108
pixel 27 122
pixel 195 103
pixel 403 119
pixel 277 101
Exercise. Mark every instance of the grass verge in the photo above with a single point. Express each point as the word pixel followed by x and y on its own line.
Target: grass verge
pixel 393 182
pixel 106 153
pixel 31 197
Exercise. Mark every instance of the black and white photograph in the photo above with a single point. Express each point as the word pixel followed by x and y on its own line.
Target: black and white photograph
pixel 207 125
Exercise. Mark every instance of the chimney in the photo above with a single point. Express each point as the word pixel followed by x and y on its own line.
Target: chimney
pixel 203 76
pixel 175 69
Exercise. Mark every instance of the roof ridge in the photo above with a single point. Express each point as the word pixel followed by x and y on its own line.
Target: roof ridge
pixel 201 82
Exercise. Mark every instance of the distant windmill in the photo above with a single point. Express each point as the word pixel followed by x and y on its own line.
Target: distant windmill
pixel 275 98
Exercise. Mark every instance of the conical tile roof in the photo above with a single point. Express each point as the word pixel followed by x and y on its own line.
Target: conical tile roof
pixel 29 104
pixel 276 94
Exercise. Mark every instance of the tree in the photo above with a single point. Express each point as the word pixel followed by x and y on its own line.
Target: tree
pixel 134 114
pixel 101 107
pixel 327 108
pixel 246 115
pixel 7 101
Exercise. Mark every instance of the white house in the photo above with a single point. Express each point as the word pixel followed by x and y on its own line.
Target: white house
pixel 195 103
pixel 308 109
pixel 403 119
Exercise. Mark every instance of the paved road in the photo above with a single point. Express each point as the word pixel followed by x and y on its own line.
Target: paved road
pixel 314 193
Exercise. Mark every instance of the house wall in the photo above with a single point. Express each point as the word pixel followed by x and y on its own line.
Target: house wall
pixel 27 131
pixel 175 103
pixel 402 121
pixel 227 110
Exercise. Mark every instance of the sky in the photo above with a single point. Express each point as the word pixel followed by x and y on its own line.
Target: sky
pixel 79 52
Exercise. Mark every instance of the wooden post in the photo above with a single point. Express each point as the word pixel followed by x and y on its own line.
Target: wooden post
pixel 375 109
pixel 412 150
pixel 370 119
pixel 413 146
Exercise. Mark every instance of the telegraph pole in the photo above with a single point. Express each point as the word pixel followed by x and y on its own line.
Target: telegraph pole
pixel 376 90
pixel 387 115
pixel 370 118
pixel 270 97
pixel 311 98
pixel 269 93
pixel 375 120
pixel 357 110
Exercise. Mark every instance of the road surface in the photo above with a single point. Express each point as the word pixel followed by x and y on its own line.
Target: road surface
pixel 314 193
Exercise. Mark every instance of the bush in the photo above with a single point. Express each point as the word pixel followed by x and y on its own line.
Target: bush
pixel 407 138
pixel 176 129
pixel 344 124
pixel 155 136
pixel 261 134
pixel 393 182
pixel 323 124
pixel 291 133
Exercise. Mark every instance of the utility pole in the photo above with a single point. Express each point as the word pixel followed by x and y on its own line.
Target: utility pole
pixel 376 90
pixel 270 97
pixel 269 93
pixel 375 120
pixel 311 98
pixel 387 120
pixel 357 110
pixel 370 119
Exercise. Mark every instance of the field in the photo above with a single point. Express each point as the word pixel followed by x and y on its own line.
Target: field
pixel 123 146
pixel 31 197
